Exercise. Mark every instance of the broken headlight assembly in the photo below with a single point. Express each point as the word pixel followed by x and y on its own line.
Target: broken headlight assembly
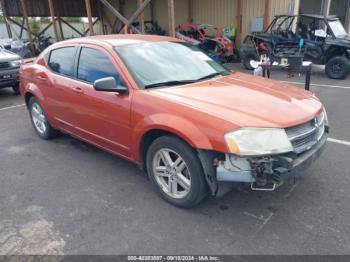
pixel 258 141
pixel 321 123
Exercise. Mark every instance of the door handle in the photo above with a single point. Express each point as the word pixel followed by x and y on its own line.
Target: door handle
pixel 78 90
pixel 41 78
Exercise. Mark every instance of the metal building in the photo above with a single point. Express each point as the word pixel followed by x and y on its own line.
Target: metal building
pixel 112 15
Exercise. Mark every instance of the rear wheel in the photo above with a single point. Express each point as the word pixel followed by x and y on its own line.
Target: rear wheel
pixel 337 67
pixel 39 120
pixel 175 172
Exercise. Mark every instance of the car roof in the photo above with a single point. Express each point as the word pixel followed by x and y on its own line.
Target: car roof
pixel 121 39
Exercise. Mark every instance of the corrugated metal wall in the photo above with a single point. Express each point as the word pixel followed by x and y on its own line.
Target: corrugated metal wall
pixel 161 12
pixel 278 7
pixel 250 9
pixel 217 12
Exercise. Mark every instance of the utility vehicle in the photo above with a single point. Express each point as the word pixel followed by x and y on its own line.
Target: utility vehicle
pixel 325 38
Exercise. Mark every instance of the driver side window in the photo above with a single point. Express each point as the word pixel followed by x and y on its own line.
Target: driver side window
pixel 94 65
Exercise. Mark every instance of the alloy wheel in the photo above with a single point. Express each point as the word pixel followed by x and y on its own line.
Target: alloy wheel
pixel 171 173
pixel 39 118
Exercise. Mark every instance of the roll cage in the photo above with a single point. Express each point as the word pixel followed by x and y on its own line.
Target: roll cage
pixel 284 23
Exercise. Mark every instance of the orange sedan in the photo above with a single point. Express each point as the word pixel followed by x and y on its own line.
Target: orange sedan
pixel 195 127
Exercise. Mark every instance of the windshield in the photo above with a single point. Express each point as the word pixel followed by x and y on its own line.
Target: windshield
pixel 337 28
pixel 167 63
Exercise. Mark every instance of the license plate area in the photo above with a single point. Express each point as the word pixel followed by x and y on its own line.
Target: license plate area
pixel 6 77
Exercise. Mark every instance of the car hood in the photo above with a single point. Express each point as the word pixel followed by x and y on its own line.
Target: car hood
pixel 247 101
pixel 6 55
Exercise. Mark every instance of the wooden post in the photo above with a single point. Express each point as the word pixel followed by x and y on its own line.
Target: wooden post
pixel 54 25
pixel 59 20
pixel 89 15
pixel 101 18
pixel 152 11
pixel 347 19
pixel 137 13
pixel 119 23
pixel 86 31
pixel 26 21
pixel 115 12
pixel 125 21
pixel 8 28
pixel 21 32
pixel 266 14
pixel 142 18
pixel 190 11
pixel 326 7
pixel 171 17
pixel 295 12
pixel 239 23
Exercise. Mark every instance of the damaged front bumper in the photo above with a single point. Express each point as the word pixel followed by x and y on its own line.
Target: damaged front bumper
pixel 262 173
pixel 268 172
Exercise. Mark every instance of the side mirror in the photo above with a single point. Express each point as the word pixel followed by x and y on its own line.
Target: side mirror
pixel 320 33
pixel 109 84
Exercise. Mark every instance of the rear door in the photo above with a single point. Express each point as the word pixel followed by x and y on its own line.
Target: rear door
pixel 101 117
pixel 60 95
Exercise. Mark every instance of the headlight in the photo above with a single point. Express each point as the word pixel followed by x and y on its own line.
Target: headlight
pixel 15 63
pixel 258 141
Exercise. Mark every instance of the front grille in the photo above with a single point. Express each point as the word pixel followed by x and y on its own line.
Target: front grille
pixel 4 65
pixel 306 135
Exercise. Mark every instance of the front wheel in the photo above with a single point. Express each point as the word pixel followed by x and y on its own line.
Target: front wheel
pixel 337 67
pixel 15 89
pixel 176 172
pixel 246 60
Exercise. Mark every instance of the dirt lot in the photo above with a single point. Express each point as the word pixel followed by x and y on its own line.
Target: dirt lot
pixel 66 197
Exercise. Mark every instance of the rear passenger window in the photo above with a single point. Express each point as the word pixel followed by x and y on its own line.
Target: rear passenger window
pixel 62 61
pixel 94 65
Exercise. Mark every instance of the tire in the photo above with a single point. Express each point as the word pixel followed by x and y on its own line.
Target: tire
pixel 337 67
pixel 190 188
pixel 16 89
pixel 39 120
pixel 246 58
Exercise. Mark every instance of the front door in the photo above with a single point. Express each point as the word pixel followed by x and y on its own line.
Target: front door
pixel 103 118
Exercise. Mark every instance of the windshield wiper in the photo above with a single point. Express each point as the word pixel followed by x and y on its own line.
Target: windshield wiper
pixel 170 83
pixel 212 75
pixel 182 82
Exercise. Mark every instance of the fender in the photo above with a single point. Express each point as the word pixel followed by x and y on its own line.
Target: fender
pixel 172 124
pixel 335 50
pixel 35 91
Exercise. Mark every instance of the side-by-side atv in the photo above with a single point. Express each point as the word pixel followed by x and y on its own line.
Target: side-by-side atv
pixel 324 37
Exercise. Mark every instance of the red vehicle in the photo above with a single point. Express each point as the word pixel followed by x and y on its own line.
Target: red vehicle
pixel 193 126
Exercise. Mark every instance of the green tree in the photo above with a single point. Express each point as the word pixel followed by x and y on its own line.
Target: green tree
pixel 35 26
pixel 2 20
